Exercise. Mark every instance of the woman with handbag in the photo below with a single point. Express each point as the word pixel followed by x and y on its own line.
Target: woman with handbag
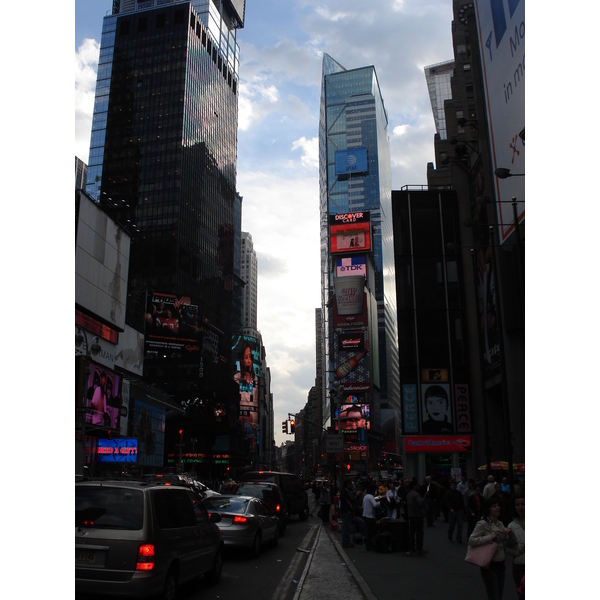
pixel 490 530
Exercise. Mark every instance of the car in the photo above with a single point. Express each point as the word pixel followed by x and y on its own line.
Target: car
pixel 269 493
pixel 246 522
pixel 296 498
pixel 139 538
pixel 183 480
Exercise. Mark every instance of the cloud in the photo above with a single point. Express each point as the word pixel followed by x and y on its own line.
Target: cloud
pixel 86 66
pixel 310 151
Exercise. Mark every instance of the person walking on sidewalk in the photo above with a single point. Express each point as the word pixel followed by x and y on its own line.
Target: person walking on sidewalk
pixel 349 517
pixel 431 506
pixel 370 505
pixel 325 502
pixel 455 503
pixel 490 529
pixel 415 509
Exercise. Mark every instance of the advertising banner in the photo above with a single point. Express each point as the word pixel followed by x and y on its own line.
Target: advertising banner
pixel 501 30
pixel 437 443
pixel 119 450
pixel 246 352
pixel 350 232
pixel 350 265
pixel 410 408
pixel 350 303
pixel 103 397
pixel 437 411
pixel 353 417
pixel 352 365
pixel 463 408
pixel 149 428
pixel 351 162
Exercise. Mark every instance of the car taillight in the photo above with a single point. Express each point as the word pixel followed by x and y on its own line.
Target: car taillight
pixel 145 561
pixel 278 508
pixel 238 519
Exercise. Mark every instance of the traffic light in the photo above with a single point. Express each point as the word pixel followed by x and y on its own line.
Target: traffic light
pixel 284 427
pixel 348 467
pixel 181 435
pixel 292 425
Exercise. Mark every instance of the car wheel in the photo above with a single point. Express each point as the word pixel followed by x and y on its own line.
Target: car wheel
pixel 170 586
pixel 255 550
pixel 214 575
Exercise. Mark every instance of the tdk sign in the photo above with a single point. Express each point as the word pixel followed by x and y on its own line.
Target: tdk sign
pixel 355 265
pixel 350 162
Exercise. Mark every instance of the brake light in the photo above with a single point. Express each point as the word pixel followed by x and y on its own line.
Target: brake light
pixel 145 561
pixel 278 508
pixel 238 519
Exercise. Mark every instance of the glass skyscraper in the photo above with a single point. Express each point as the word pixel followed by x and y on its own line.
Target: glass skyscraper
pixel 353 116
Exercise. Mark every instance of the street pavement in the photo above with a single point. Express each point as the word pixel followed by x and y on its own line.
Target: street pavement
pixel 357 574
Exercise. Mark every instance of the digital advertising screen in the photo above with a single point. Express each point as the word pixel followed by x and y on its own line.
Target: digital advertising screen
pixel 119 450
pixel 352 161
pixel 353 417
pixel 103 397
pixel 352 360
pixel 350 232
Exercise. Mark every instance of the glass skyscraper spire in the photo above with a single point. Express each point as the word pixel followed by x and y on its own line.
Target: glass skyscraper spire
pixel 353 116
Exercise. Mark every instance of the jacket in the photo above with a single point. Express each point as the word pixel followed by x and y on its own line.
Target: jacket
pixel 482 534
pixel 517 549
pixel 414 504
pixel 454 500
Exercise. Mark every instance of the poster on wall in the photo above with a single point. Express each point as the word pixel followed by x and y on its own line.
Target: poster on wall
pixel 437 413
pixel 410 408
pixel 103 397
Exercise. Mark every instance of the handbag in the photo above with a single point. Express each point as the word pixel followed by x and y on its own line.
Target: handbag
pixel 481 555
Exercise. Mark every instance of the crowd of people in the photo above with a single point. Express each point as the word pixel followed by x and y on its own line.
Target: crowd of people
pixel 479 512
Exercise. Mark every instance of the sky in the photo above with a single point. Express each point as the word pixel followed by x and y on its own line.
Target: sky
pixel 281 47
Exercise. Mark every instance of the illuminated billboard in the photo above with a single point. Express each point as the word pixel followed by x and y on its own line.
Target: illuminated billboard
pixel 103 397
pixel 350 303
pixel 351 162
pixel 350 232
pixel 352 362
pixel 119 450
pixel 353 417
pixel 348 266
pixel 437 411
pixel 246 352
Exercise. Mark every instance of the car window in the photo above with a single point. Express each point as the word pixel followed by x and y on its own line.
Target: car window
pixel 199 510
pixel 109 508
pixel 226 504
pixel 173 509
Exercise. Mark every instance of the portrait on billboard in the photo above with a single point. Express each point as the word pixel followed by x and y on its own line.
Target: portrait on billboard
pixel 103 397
pixel 247 362
pixel 437 413
pixel 353 417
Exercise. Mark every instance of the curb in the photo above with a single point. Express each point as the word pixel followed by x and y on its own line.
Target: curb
pixel 362 584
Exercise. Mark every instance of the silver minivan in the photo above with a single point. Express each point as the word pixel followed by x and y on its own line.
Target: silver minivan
pixel 141 539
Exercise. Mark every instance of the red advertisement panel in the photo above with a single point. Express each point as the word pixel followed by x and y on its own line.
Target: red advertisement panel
pixel 350 232
pixel 437 443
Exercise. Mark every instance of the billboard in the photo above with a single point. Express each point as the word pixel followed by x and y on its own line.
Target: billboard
pixel 351 162
pixel 350 232
pixel 437 411
pixel 103 397
pixel 174 323
pixel 352 417
pixel 149 428
pixel 352 362
pixel 350 303
pixel 410 408
pixel 437 443
pixel 501 30
pixel 347 266
pixel 119 450
pixel 246 352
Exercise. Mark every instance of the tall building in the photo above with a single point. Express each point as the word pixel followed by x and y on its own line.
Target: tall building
pixel 249 273
pixel 163 154
pixel 355 178
pixel 80 174
pixel 438 83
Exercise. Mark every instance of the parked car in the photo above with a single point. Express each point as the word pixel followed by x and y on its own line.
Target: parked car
pixel 296 498
pixel 269 493
pixel 246 522
pixel 136 538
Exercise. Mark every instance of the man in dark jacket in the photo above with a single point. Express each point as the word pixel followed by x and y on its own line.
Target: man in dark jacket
pixel 455 503
pixel 415 508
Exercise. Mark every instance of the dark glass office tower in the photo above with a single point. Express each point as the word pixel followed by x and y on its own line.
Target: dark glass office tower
pixel 162 161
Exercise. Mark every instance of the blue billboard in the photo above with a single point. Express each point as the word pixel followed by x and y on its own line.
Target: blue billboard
pixel 351 162
pixel 118 450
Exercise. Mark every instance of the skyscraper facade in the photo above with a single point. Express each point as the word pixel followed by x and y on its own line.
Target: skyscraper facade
pixel 163 155
pixel 249 273
pixel 354 127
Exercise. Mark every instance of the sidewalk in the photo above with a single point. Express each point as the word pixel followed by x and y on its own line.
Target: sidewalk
pixel 441 572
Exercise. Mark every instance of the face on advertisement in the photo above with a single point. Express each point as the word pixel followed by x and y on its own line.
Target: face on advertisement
pixel 436 403
pixel 352 419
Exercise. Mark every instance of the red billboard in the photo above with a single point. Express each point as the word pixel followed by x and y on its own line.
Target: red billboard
pixel 437 443
pixel 350 232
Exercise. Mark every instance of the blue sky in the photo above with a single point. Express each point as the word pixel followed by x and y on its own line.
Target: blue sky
pixel 281 49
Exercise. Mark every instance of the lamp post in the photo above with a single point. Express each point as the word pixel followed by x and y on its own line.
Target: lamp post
pixel 94 350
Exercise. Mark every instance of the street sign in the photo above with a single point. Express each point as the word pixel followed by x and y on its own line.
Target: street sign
pixel 334 443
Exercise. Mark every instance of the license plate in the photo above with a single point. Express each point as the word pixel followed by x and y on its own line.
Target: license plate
pixel 85 556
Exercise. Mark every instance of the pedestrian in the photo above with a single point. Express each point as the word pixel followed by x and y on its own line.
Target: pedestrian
pixel 393 501
pixel 325 503
pixel 349 516
pixel 490 529
pixel 431 502
pixel 415 503
pixel 490 488
pixel 517 526
pixel 474 508
pixel 504 502
pixel 369 515
pixel 463 486
pixel 455 503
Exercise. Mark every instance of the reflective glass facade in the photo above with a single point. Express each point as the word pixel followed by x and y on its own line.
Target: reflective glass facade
pixel 353 116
